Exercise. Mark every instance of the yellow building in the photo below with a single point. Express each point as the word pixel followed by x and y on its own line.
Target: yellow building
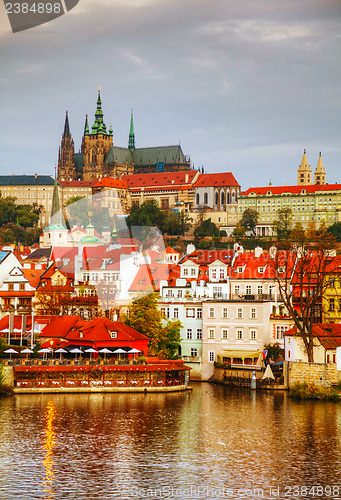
pixel 331 301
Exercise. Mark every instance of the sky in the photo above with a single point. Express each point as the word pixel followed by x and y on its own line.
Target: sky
pixel 244 85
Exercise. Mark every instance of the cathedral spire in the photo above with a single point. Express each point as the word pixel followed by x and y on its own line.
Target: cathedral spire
pixel 66 126
pixel 86 126
pixel 131 144
pixel 99 126
pixel 56 213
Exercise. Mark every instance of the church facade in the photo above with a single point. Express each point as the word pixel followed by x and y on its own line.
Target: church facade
pixel 99 157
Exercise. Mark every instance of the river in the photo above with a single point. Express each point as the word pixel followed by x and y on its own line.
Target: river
pixel 213 442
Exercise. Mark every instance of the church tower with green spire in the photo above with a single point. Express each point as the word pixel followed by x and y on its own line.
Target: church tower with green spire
pixel 131 143
pixel 66 155
pixel 96 144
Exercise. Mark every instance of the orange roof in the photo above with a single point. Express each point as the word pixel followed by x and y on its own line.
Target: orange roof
pixel 111 182
pixel 291 189
pixel 33 276
pixel 219 179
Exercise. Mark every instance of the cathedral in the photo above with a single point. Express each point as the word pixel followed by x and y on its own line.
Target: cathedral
pixel 99 157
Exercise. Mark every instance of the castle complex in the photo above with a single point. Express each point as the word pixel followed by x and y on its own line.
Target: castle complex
pixel 99 157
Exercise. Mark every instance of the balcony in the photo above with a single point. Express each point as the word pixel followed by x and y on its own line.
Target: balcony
pixel 252 297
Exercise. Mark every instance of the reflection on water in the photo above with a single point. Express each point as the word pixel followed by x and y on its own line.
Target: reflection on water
pixel 122 446
pixel 48 445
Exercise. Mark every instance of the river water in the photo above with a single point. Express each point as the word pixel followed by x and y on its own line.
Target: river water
pixel 213 442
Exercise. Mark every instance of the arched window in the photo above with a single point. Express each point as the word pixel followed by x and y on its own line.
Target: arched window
pixel 222 197
pixel 233 197
pixel 198 199
pixel 205 199
pixel 228 197
pixel 217 198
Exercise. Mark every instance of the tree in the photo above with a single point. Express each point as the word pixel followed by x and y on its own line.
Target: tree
pixel 146 318
pixel 300 267
pixel 249 220
pixel 282 224
pixel 335 230
pixel 206 228
pixel 8 210
pixel 202 209
pixel 239 231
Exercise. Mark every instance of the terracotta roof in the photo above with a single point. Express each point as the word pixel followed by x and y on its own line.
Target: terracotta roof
pixel 163 180
pixel 148 277
pixel 291 189
pixel 219 179
pixel 111 182
pixel 33 276
pixel 77 183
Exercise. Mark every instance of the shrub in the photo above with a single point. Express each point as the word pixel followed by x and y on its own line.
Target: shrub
pixel 305 390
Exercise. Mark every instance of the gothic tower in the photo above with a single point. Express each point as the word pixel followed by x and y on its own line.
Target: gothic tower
pixel 304 172
pixel 320 173
pixel 131 143
pixel 96 144
pixel 66 155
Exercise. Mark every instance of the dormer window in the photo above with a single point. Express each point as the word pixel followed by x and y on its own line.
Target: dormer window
pixel 239 269
pixel 81 335
pixel 113 335
pixel 261 269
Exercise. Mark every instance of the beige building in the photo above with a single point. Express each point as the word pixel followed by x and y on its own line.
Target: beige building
pixel 30 189
pixel 310 203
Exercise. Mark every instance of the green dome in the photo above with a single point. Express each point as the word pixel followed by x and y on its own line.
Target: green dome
pixel 90 239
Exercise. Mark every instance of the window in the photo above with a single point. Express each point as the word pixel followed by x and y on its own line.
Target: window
pixel 240 269
pixel 189 334
pixel 222 274
pixel 211 333
pixel 113 335
pixel 176 313
pixel 236 289
pixel 199 333
pixel 239 334
pixel 22 286
pixel 248 290
pixel 253 334
pixel 211 356
pixel 199 313
pixel 10 286
pixel 205 198
pixel 185 271
pixel 260 290
pixel 165 203
pixel 193 271
pixel 331 304
pixel 163 312
pixel 280 329
pixel 194 352
pixel 261 269
pixel 225 334
pixel 214 274
pixel 211 313
pixel 190 312
pixel 253 313
pixel 239 313
pixel 225 312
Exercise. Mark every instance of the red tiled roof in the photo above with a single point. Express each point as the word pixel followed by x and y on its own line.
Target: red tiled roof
pixel 219 179
pixel 148 277
pixel 33 276
pixel 160 180
pixel 77 183
pixel 111 182
pixel 291 189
